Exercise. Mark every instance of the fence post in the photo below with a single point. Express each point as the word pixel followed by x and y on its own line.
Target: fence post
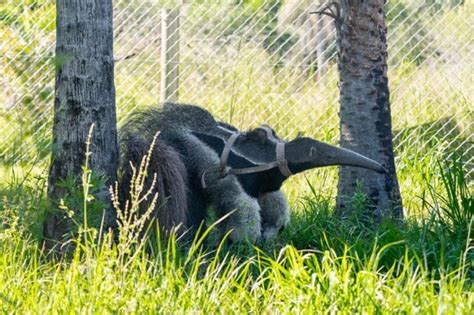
pixel 169 55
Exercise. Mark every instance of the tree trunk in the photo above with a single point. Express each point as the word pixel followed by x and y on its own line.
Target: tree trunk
pixel 85 96
pixel 365 107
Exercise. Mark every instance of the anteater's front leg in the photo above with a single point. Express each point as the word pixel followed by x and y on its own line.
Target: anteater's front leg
pixel 228 198
pixel 224 194
pixel 274 212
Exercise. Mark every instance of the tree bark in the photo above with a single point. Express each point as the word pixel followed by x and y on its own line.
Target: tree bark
pixel 84 96
pixel 365 118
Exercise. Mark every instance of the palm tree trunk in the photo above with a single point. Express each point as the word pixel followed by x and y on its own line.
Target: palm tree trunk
pixel 365 107
pixel 85 96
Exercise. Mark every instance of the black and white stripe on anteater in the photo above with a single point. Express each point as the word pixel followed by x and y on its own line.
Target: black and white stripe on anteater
pixel 191 142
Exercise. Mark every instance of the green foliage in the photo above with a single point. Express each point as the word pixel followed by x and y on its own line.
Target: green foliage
pixel 455 206
pixel 72 204
pixel 23 200
pixel 319 263
pixel 233 19
pixel 432 242
pixel 411 31
pixel 26 32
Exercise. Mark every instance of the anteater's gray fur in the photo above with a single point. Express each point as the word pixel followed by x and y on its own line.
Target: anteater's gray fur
pixel 191 141
pixel 179 158
pixel 171 185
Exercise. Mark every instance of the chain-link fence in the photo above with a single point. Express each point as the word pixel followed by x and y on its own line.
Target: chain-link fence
pixel 250 62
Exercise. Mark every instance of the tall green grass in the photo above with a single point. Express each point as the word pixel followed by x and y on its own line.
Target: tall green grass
pixel 290 281
pixel 319 264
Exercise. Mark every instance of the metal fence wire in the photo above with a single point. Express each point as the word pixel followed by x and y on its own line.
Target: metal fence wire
pixel 250 62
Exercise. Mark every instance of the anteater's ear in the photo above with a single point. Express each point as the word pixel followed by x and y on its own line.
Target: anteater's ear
pixel 258 134
pixel 215 142
pixel 261 134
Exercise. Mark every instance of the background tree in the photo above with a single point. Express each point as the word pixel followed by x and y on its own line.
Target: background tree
pixel 84 96
pixel 365 120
